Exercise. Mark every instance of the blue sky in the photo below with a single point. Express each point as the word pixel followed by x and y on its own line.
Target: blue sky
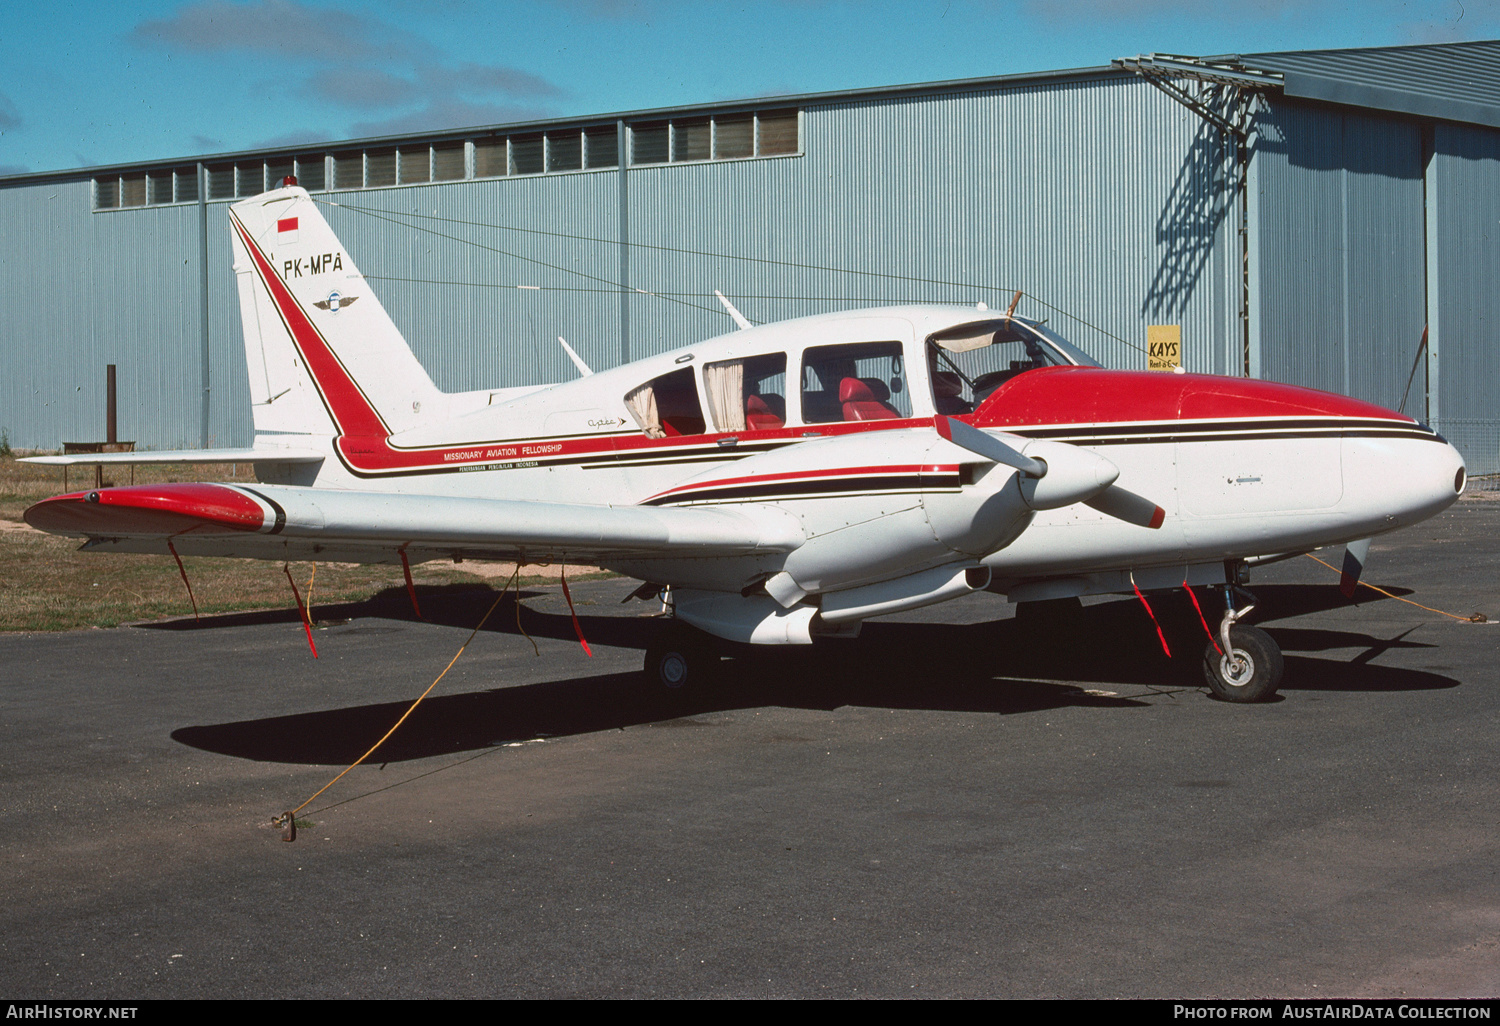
pixel 93 83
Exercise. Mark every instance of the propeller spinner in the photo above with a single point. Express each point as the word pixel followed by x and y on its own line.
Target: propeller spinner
pixel 1076 475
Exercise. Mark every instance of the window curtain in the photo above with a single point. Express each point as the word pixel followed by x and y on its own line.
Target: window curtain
pixel 726 393
pixel 642 406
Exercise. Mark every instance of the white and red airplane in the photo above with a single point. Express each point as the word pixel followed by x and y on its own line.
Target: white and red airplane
pixel 779 483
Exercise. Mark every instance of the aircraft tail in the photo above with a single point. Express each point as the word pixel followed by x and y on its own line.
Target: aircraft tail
pixel 324 356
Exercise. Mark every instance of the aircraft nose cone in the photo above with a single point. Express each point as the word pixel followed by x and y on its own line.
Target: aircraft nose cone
pixel 1401 481
pixel 1449 474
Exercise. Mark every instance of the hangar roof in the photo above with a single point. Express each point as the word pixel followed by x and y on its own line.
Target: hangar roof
pixel 1448 81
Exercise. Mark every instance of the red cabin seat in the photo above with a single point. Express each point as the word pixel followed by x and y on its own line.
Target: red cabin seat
pixel 760 415
pixel 864 399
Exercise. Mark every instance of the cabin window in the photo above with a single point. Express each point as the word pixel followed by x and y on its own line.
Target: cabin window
pixel 667 406
pixel 748 394
pixel 864 381
pixel 967 362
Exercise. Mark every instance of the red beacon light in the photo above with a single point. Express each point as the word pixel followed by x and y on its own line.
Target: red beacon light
pixel 289 180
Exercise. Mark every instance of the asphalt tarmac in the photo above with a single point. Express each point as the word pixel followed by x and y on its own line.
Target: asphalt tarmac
pixel 959 805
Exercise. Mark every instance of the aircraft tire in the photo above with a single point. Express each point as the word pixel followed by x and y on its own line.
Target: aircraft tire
pixel 680 659
pixel 1251 672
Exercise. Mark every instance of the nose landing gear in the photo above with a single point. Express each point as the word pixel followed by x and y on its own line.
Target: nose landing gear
pixel 1245 665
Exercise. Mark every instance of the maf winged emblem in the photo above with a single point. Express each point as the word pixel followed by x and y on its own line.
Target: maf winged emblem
pixel 334 302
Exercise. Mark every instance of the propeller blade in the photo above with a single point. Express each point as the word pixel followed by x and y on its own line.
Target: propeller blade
pixel 1123 504
pixel 988 446
pixel 1355 554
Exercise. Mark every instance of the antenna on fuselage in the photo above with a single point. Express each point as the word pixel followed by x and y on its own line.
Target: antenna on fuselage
pixel 739 318
pixel 583 368
pixel 1011 310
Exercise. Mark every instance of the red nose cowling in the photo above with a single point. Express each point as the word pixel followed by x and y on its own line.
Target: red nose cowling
pixel 1090 395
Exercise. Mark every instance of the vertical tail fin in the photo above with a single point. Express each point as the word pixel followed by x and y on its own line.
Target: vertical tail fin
pixel 324 356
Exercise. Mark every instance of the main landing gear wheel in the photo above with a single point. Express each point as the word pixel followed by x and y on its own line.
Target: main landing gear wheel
pixel 1249 672
pixel 681 659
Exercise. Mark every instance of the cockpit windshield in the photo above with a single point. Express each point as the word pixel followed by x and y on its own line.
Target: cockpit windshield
pixel 969 361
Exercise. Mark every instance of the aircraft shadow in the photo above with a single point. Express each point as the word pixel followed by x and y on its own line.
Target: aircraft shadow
pixel 462 606
pixel 449 724
pixel 1001 667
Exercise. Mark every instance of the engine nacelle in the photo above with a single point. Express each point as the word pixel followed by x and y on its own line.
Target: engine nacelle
pixel 927 588
pixel 753 619
pixel 874 505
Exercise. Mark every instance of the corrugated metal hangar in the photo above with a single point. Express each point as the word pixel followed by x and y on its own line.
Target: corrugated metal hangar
pixel 1297 216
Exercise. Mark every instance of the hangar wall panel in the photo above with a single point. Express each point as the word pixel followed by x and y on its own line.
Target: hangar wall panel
pixel 1465 181
pixel 1340 246
pixel 80 291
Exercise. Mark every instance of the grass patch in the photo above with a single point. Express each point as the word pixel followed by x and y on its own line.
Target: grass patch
pixel 48 585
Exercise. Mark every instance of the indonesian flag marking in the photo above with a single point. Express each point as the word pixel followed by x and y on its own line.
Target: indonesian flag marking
pixel 286 230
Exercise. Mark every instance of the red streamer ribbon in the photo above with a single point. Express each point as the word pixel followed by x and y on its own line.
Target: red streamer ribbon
pixel 1149 613
pixel 577 629
pixel 306 623
pixel 1201 620
pixel 410 588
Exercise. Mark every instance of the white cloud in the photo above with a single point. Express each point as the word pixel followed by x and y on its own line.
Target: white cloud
pixel 282 27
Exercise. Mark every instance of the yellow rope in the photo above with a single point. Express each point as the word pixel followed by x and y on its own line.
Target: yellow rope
pixel 310 580
pixel 287 817
pixel 1476 618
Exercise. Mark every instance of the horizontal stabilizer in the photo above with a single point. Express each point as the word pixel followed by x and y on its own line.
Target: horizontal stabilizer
pixel 181 456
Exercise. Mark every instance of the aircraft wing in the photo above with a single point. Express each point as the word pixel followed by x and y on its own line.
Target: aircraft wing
pixel 181 456
pixel 282 522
